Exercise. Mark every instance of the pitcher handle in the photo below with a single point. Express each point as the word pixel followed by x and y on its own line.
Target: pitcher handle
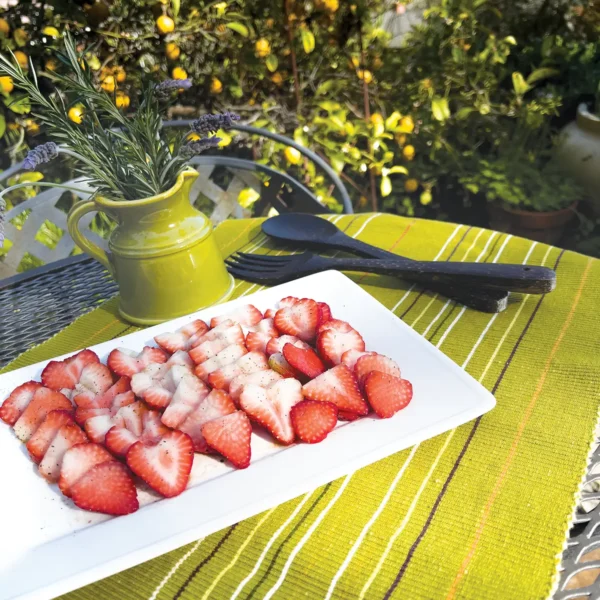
pixel 75 214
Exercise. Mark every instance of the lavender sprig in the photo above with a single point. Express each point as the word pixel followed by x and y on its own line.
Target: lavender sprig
pixel 40 154
pixel 164 88
pixel 212 123
pixel 197 147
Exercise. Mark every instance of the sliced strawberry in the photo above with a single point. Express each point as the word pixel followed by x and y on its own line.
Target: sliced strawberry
pixel 95 378
pixel 323 314
pixel 276 344
pixel 152 374
pixel 337 324
pixel 13 407
pixel 208 348
pixel 194 330
pixel 119 439
pixel 183 338
pixel 132 417
pixel 216 404
pixel 65 374
pixel 40 441
pixel 159 393
pixel 214 333
pixel 375 362
pixel 312 420
pixel 88 399
pixel 181 358
pixel 333 342
pixel 247 316
pixel 97 427
pixel 106 488
pixel 264 379
pixel 350 357
pixel 119 401
pixel 305 361
pixel 260 335
pixel 288 301
pixel 126 363
pixel 152 427
pixel 225 357
pixel 83 414
pixel 66 437
pixel 230 436
pixel 249 363
pixel 339 386
pixel 164 466
pixel 77 461
pixel 44 401
pixel 281 366
pixel 387 394
pixel 270 313
pixel 299 319
pixel 187 397
pixel 344 415
pixel 271 407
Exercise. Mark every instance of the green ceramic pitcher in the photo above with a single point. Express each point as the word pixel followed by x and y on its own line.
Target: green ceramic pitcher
pixel 162 254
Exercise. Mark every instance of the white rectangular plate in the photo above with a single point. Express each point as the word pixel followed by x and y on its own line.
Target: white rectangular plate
pixel 49 547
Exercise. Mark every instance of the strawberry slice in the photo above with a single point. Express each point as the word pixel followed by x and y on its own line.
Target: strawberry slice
pixel 126 363
pixel 350 357
pixel 44 401
pixel 13 407
pixel 247 316
pixel 129 416
pixel 270 313
pixel 77 461
pixel 387 394
pixel 208 348
pixel 95 378
pixel 375 362
pixel 264 379
pixel 225 357
pixel 65 374
pixel 230 436
pixel 183 338
pixel 88 399
pixel 305 361
pixel 281 366
pixel 334 341
pixel 339 386
pixel 106 488
pixel 152 427
pixel 187 397
pixel 216 404
pixel 271 407
pixel 313 421
pixel 119 439
pixel 344 415
pixel 323 314
pixel 159 392
pixel 164 466
pixel 40 441
pixel 66 437
pixel 249 363
pixel 260 335
pixel 148 428
pixel 97 426
pixel 299 319
pixel 288 301
pixel 181 358
pixel 276 344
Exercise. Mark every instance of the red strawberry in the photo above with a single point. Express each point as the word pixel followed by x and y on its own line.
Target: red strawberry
pixel 214 333
pixel 17 402
pixel 312 420
pixel 304 361
pixel 194 330
pixel 276 344
pixel 95 378
pixel 216 404
pixel 126 363
pixel 97 427
pixel 350 357
pixel 375 362
pixel 225 357
pixel 211 347
pixel 387 394
pixel 259 336
pixel 339 386
pixel 59 375
pixel 132 417
pixel 323 314
pixel 119 439
pixel 66 437
pixel 164 466
pixel 264 379
pixel 344 415
pixel 271 407
pixel 247 316
pixel 230 436
pixel 77 461
pixel 152 427
pixel 270 313
pixel 159 392
pixel 281 366
pixel 288 301
pixel 249 363
pixel 106 488
pixel 183 338
pixel 299 319
pixel 43 402
pixel 150 376
pixel 189 394
pixel 87 398
pixel 181 358
pixel 334 341
pixel 336 324
pixel 83 414
pixel 40 441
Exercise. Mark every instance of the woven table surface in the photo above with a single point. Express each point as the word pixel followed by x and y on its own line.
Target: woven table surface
pixel 479 512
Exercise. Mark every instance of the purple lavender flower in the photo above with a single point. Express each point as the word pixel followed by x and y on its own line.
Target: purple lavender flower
pixel 40 154
pixel 173 84
pixel 194 148
pixel 212 123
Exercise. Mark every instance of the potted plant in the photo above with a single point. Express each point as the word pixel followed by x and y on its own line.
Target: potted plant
pixel 162 252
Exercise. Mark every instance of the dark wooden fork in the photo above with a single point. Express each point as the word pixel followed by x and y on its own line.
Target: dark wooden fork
pixel 502 277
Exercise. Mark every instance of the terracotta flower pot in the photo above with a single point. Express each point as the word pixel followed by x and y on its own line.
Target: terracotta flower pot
pixel 546 227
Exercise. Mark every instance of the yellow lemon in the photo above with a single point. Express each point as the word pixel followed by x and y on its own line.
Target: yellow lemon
pixel 51 31
pixel 247 197
pixel 21 36
pixel 426 198
pixel 192 137
pixel 408 152
pixel 407 125
pixel 365 75
pixel 377 62
pixel 400 138
pixel 251 102
pixel 376 119
pixel 355 62
pixel 269 23
pixel 293 156
pixel 4 27
pixel 179 73
pixel 172 51
pixel 51 64
pixel 277 78
pixel 22 59
pixel 262 48
pixel 120 74
pixel 6 84
pixel 165 24
pixel 363 202
pixel 122 100
pixel 216 87
pixel 32 127
pixel 411 185
pixel 108 84
pixel 76 114
pixel 331 5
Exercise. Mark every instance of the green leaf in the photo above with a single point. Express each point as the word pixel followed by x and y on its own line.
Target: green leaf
pixel 18 104
pixel 329 106
pixel 272 63
pixel 247 197
pixel 392 121
pixel 510 39
pixel 175 6
pixel 478 3
pixel 397 170
pixel 440 108
pixel 337 162
pixel 30 177
pixel 519 83
pixel 2 125
pixel 238 28
pixel 385 186
pixel 21 37
pixel 308 40
pixel 540 74
pixel 236 91
pixel 463 113
pixel 324 87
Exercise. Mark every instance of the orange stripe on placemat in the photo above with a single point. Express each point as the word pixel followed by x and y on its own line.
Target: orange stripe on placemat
pixel 513 449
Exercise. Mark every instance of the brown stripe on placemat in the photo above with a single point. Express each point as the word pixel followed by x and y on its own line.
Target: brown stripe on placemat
pixel 464 449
